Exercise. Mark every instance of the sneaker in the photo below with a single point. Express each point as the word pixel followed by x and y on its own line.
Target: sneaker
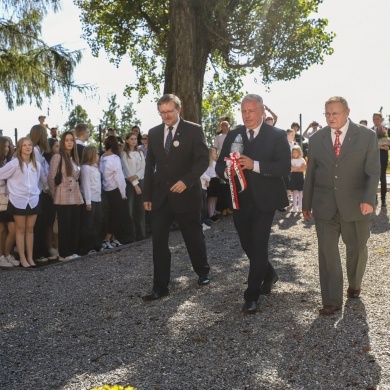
pixel 4 263
pixel 106 245
pixel 115 243
pixel 224 213
pixel 53 254
pixel 12 260
pixel 205 227
pixel 229 212
pixel 214 219
pixel 42 260
pixel 208 222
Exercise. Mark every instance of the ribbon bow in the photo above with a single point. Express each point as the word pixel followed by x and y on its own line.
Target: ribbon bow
pixel 234 168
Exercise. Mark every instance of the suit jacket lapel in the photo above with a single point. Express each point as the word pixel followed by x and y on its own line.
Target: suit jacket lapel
pixel 327 141
pixel 350 138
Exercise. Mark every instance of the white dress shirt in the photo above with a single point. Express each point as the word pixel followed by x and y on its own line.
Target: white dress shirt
pixel 133 165
pixel 23 186
pixel 256 165
pixel 343 130
pixel 91 184
pixel 111 169
pixel 166 130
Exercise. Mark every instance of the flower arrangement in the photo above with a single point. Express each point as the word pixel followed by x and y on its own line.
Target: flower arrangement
pixel 382 134
pixel 115 387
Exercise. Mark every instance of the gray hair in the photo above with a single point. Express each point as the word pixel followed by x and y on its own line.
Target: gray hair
pixel 337 99
pixel 253 97
pixel 167 98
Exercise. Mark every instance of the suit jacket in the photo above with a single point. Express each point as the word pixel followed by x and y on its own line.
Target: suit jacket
pixel 342 183
pixel 187 160
pixel 272 150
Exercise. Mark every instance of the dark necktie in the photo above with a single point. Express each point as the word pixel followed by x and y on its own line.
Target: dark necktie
pixel 168 141
pixel 337 144
pixel 251 135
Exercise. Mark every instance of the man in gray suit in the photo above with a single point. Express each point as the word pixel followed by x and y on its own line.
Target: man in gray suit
pixel 340 187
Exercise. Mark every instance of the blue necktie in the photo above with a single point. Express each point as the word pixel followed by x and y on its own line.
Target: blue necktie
pixel 251 135
pixel 168 141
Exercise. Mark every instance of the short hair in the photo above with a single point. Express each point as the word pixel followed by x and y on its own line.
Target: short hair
pixel 80 129
pixel 252 97
pixel 290 131
pixel 338 99
pixel 363 122
pixel 378 113
pixel 295 124
pixel 269 118
pixel 167 98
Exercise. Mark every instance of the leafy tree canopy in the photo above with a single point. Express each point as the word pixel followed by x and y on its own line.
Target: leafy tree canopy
pixel 175 41
pixel 78 115
pixel 30 70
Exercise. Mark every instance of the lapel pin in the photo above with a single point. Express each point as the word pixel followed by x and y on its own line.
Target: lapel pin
pixel 176 144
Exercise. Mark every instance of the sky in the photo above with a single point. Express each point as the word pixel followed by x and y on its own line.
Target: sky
pixel 358 70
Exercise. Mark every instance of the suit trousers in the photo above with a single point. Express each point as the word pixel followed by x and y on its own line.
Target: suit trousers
pixel 355 236
pixel 68 229
pixel 254 229
pixel 383 180
pixel 191 230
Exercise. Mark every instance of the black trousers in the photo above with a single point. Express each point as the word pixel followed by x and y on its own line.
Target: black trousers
pixel 191 230
pixel 91 228
pixel 383 180
pixel 40 248
pixel 68 229
pixel 254 228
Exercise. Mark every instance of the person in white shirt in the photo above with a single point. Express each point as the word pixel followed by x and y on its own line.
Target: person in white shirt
pixel 114 189
pixel 133 164
pixel 91 189
pixel 23 175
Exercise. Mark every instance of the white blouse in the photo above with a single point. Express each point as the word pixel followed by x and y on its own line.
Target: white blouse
pixel 91 184
pixel 23 186
pixel 133 165
pixel 111 169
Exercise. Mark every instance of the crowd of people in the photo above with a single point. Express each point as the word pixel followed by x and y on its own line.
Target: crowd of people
pixel 61 199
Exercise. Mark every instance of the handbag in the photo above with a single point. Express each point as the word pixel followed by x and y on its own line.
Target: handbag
pixel 58 176
pixel 3 202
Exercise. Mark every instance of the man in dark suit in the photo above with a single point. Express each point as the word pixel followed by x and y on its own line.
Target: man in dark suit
pixel 177 157
pixel 382 131
pixel 340 186
pixel 82 135
pixel 265 160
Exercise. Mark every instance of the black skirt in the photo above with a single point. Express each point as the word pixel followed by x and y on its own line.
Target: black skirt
pixel 296 181
pixel 12 210
pixel 214 188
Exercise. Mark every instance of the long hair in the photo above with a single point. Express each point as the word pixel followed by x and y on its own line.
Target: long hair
pixel 19 153
pixel 4 158
pixel 112 144
pixel 298 149
pixel 66 156
pixel 38 137
pixel 127 146
pixel 89 155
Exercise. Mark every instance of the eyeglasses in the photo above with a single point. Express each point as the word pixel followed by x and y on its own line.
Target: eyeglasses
pixel 332 114
pixel 162 113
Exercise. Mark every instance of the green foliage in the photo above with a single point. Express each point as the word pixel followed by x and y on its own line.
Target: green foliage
pixel 30 70
pixel 128 119
pixel 78 115
pixel 110 118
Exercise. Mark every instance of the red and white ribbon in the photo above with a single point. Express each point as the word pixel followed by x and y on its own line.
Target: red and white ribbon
pixel 234 168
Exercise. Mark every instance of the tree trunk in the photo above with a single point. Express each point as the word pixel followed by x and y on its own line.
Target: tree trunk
pixel 188 49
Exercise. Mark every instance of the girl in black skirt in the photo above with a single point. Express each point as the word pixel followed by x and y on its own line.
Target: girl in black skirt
pixel 298 167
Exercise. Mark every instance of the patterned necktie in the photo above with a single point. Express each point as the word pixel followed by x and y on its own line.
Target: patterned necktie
pixel 251 135
pixel 337 144
pixel 168 141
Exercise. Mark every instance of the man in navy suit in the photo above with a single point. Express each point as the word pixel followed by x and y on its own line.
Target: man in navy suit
pixel 177 157
pixel 265 160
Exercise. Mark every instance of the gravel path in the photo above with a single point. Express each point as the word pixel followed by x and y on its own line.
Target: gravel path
pixel 83 324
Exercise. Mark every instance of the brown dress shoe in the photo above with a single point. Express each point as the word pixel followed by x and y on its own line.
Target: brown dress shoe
pixel 351 293
pixel 328 310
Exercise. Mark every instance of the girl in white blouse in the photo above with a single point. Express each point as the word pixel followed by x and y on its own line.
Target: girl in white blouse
pixel 133 164
pixel 114 189
pixel 23 175
pixel 91 189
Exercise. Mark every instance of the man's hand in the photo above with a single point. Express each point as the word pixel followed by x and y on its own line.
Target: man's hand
pixel 306 214
pixel 365 208
pixel 246 162
pixel 384 147
pixel 178 187
pixel 88 207
pixel 148 206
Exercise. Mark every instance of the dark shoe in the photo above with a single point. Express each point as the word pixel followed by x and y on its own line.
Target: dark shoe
pixel 283 210
pixel 328 310
pixel 203 280
pixel 155 294
pixel 351 293
pixel 250 307
pixel 384 203
pixel 266 287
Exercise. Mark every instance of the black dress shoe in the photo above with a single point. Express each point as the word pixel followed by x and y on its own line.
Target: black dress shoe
pixel 250 307
pixel 203 280
pixel 266 287
pixel 155 294
pixel 283 209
